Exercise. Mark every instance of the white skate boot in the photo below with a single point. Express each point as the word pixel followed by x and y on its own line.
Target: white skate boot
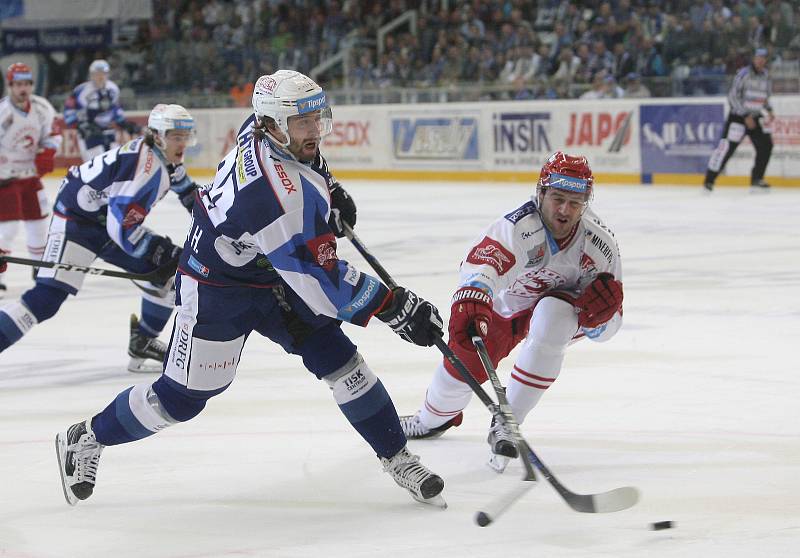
pixel 78 455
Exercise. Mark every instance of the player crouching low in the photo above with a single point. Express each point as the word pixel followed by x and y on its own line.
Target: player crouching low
pixel 544 275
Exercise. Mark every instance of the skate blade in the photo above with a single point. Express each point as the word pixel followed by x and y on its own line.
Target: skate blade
pixel 759 191
pixel 144 366
pixel 498 463
pixel 61 454
pixel 436 501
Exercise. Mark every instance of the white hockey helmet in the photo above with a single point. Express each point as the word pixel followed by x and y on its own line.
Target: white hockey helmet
pixel 99 65
pixel 288 93
pixel 165 117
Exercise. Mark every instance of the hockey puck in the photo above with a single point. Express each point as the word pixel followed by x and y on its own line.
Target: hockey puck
pixel 661 525
pixel 482 519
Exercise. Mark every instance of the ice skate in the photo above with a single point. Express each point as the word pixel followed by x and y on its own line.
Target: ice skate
pixel 78 455
pixel 708 187
pixel 147 353
pixel 423 485
pixel 502 446
pixel 759 187
pixel 415 430
pixel 3 287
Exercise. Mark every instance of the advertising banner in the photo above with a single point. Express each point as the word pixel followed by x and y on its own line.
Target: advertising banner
pixel 679 138
pixel 422 140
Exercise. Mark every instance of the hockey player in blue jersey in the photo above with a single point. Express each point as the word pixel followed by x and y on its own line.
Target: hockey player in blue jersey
pixel 93 109
pixel 261 256
pixel 98 212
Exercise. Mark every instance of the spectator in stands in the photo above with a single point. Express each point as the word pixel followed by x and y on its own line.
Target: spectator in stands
pixel 634 88
pixel 241 92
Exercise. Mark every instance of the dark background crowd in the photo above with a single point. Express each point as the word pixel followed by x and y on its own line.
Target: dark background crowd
pixel 512 49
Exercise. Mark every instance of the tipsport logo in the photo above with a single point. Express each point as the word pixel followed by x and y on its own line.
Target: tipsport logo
pixel 435 138
pixel 310 104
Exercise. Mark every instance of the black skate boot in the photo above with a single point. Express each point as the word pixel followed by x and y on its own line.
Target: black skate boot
pixel 759 187
pixel 142 348
pixel 415 430
pixel 423 485
pixel 78 455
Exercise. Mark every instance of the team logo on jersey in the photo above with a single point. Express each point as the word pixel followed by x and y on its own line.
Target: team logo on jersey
pixel 265 84
pixel 135 215
pixel 198 267
pixel 490 252
pixel 535 256
pixel 588 266
pixel 323 250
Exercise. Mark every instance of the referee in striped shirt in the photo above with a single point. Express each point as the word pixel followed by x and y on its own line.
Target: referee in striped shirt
pixel 750 114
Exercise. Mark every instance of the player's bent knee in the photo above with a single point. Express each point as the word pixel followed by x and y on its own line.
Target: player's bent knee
pixel 357 390
pixel 44 301
pixel 326 350
pixel 176 402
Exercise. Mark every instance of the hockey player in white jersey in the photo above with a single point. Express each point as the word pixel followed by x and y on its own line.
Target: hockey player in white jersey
pixel 544 275
pixel 28 144
pixel 261 256
pixel 99 212
pixel 94 110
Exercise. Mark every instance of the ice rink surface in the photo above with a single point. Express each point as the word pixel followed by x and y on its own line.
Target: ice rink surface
pixel 695 402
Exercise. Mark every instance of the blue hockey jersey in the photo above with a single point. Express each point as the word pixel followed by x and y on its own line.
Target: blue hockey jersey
pixel 264 220
pixel 117 190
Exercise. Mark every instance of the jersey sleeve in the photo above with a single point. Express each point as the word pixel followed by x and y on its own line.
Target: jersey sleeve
pixel 601 255
pixel 130 203
pixel 72 110
pixel 488 263
pixel 302 249
pixel 50 132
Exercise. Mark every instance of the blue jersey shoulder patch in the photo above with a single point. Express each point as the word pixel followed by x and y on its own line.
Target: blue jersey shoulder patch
pixel 525 209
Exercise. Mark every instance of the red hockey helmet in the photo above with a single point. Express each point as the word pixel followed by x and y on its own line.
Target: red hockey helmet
pixel 568 173
pixel 19 72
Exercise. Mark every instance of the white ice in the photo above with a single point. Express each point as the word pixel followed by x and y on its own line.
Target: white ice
pixel 695 402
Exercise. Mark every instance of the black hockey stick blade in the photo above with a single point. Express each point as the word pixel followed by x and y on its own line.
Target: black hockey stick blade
pixel 604 502
pixel 614 500
pixel 157 275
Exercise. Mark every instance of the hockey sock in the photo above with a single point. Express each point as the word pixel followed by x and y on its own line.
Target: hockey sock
pixel 36 232
pixel 154 318
pixel 366 404
pixel 15 321
pixel 134 414
pixel 445 398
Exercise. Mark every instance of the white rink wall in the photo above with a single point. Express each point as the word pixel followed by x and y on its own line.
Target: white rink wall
pixel 658 141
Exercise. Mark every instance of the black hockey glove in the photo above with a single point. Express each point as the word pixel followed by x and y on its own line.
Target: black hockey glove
pixel 343 210
pixel 162 251
pixel 412 318
pixel 88 129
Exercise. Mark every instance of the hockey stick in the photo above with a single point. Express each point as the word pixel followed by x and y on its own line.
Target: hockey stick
pixel 157 275
pixel 614 500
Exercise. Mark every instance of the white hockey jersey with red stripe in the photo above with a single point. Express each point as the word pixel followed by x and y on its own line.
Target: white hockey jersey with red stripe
pixel 517 261
pixel 23 133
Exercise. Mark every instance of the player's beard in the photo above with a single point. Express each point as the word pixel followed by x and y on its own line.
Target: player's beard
pixel 306 150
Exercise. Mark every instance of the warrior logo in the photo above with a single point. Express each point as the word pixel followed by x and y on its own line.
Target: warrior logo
pixel 490 252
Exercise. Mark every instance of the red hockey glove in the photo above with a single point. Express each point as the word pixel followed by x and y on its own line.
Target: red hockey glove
pixel 471 313
pixel 45 161
pixel 600 301
pixel 3 263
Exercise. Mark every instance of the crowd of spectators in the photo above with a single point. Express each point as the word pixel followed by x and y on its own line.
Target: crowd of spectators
pixel 513 49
